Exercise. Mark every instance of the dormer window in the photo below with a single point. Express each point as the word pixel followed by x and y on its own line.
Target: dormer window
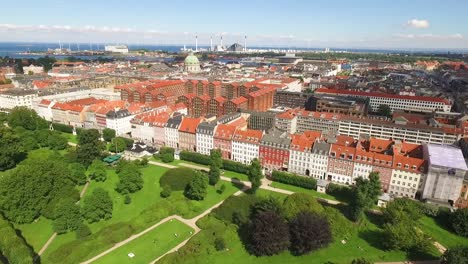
pixel 358 157
pixel 399 165
pixel 414 167
pixel 377 160
pixel 333 154
pixel 406 166
pixel 342 156
pixel 350 157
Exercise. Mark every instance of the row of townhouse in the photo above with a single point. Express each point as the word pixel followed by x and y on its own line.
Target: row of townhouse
pixel 422 131
pixel 405 169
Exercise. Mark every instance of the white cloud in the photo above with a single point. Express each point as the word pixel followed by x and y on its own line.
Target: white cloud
pixel 417 23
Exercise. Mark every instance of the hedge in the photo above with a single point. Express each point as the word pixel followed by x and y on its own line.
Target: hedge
pixel 340 192
pixel 62 128
pixel 128 141
pixel 300 181
pixel 13 247
pixel 235 166
pixel 195 157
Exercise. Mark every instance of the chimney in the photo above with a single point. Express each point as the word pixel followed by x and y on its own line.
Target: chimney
pixel 196 43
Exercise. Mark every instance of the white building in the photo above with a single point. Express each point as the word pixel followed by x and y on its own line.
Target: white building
pixel 119 120
pixel 172 131
pixel 405 183
pixel 204 137
pixel 116 49
pixel 44 109
pixel 446 170
pixel 33 69
pixel 15 97
pixel 395 102
pixel 319 160
pixel 245 145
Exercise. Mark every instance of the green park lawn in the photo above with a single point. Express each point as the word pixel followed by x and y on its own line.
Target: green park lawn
pixel 36 233
pixel 71 138
pixel 364 240
pixel 440 234
pixel 146 209
pixel 293 188
pixel 151 245
pixel 232 174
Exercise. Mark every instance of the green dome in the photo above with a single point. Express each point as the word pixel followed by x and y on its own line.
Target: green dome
pixel 191 60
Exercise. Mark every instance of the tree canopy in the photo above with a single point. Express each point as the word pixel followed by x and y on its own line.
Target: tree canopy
pixel 364 195
pixel 89 146
pixel 269 234
pixel 97 171
pixel 130 179
pixel 300 202
pixel 309 231
pixel 196 189
pixel 108 134
pixel 11 149
pixel 97 206
pixel 27 118
pixel 459 221
pixel 255 175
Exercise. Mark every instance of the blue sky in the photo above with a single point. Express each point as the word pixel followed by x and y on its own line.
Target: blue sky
pixel 338 23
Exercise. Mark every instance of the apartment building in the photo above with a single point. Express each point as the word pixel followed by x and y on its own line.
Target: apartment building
pixel 245 145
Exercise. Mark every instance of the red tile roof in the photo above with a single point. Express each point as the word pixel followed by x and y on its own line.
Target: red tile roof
pixel 189 125
pixel 224 132
pixel 248 136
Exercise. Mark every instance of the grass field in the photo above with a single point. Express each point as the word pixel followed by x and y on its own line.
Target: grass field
pixel 232 174
pixel 71 138
pixel 151 245
pixel 146 209
pixel 363 241
pixel 303 190
pixel 36 233
pixel 440 234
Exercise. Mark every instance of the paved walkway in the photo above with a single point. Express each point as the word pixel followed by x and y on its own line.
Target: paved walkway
pixel 190 222
pixel 265 183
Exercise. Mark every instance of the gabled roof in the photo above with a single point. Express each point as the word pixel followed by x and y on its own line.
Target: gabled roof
pixel 189 125
pixel 248 136
pixel 224 131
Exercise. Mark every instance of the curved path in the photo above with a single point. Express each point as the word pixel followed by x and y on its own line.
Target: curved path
pixel 190 222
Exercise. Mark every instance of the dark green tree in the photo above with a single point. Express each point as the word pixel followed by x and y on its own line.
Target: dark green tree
pixel 130 179
pixel 456 255
pixel 46 62
pixel 255 174
pixel 77 173
pixel 166 191
pixel 215 166
pixel 57 142
pixel 89 146
pixel 196 189
pixel 97 206
pixel 97 171
pixel 118 145
pixel 361 261
pixel 384 110
pixel 459 221
pixel 364 195
pixel 82 231
pixel 108 134
pixel 269 234
pixel 27 118
pixel 309 231
pixel 68 216
pixel 11 149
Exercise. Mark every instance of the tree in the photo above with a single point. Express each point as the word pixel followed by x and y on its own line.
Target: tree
pixel 127 199
pixel 97 171
pixel 108 134
pixel 77 174
pixel 401 209
pixel 166 154
pixel 214 174
pixel 300 202
pixel 255 175
pixel 220 244
pixel 56 141
pixel 216 158
pixel 11 149
pixel 89 146
pixel 309 231
pixel 269 234
pixel 404 235
pixel 364 195
pixel 384 110
pixel 68 217
pixel 167 157
pixel 38 185
pixel 46 62
pixel 97 206
pixel 270 203
pixel 118 145
pixel 130 179
pixel 459 221
pixel 196 189
pixel 456 255
pixel 27 118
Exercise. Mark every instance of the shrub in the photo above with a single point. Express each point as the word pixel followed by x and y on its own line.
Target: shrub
pixel 235 209
pixel 13 247
pixel 127 199
pixel 166 158
pixel 459 221
pixel 177 178
pixel 128 141
pixel 300 202
pixel 340 192
pixel 222 188
pixel 108 134
pixel 166 191
pixel 82 231
pixel 62 128
pixel 288 178
pixel 196 189
pixel 361 261
pixel 195 157
pixel 235 166
pixel 220 244
pixel 457 255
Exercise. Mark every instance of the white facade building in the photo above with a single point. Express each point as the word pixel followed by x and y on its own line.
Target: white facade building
pixel 13 98
pixel 171 132
pixel 119 120
pixel 405 183
pixel 204 138
pixel 245 145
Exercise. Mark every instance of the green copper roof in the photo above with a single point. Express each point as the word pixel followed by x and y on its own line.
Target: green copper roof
pixel 191 60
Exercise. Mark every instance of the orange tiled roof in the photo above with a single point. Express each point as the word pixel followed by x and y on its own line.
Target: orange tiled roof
pixel 189 125
pixel 224 131
pixel 248 136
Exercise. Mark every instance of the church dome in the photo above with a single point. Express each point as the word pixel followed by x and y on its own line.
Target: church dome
pixel 191 60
